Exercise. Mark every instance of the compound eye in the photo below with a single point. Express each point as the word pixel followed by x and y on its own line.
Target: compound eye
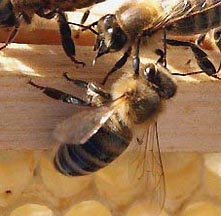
pixel 114 33
pixel 108 21
pixel 150 72
pixel 110 30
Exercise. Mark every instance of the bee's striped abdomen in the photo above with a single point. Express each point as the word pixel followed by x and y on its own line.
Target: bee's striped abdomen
pixel 101 149
pixel 200 21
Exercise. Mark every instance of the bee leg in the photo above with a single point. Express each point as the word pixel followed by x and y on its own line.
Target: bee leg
pixel 83 20
pixel 201 57
pixel 59 95
pixel 98 90
pixel 14 31
pixel 67 42
pixel 49 15
pixel 164 52
pixel 136 58
pixel 65 32
pixel 162 60
pixel 77 82
pixel 161 55
pixel 200 39
pixel 90 86
pixel 203 61
pixel 120 63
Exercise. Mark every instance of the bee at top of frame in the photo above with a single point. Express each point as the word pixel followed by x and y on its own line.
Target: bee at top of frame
pixel 14 12
pixel 136 19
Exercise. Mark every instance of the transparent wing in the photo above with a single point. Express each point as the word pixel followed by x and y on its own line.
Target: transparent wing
pixel 147 166
pixel 188 9
pixel 176 10
pixel 81 126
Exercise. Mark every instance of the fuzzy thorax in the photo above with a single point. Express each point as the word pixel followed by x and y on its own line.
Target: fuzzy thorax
pixel 135 16
pixel 135 99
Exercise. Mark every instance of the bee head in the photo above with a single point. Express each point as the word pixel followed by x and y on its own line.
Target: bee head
pixel 111 37
pixel 160 79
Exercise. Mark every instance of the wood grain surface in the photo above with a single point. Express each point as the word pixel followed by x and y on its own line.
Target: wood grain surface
pixel 190 122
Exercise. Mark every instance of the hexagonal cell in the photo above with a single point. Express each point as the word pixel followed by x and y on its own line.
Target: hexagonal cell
pixel 182 175
pixel 90 207
pixel 212 174
pixel 16 172
pixel 32 210
pixel 202 208
pixel 60 185
pixel 141 208
pixel 121 183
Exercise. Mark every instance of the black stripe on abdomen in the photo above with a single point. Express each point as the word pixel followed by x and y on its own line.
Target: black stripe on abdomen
pixel 199 22
pixel 215 16
pixel 101 149
pixel 208 19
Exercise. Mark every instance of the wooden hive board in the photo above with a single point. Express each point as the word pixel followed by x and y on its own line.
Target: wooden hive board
pixel 191 121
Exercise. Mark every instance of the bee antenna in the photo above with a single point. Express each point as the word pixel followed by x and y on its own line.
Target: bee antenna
pixel 84 28
pixel 91 29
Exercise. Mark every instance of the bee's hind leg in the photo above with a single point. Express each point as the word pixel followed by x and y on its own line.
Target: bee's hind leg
pixel 59 95
pixel 201 57
pixel 217 39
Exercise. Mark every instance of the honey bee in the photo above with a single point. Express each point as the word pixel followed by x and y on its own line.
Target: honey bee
pixel 93 138
pixel 14 12
pixel 136 19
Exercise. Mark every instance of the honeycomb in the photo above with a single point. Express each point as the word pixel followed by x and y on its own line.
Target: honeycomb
pixel 29 185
